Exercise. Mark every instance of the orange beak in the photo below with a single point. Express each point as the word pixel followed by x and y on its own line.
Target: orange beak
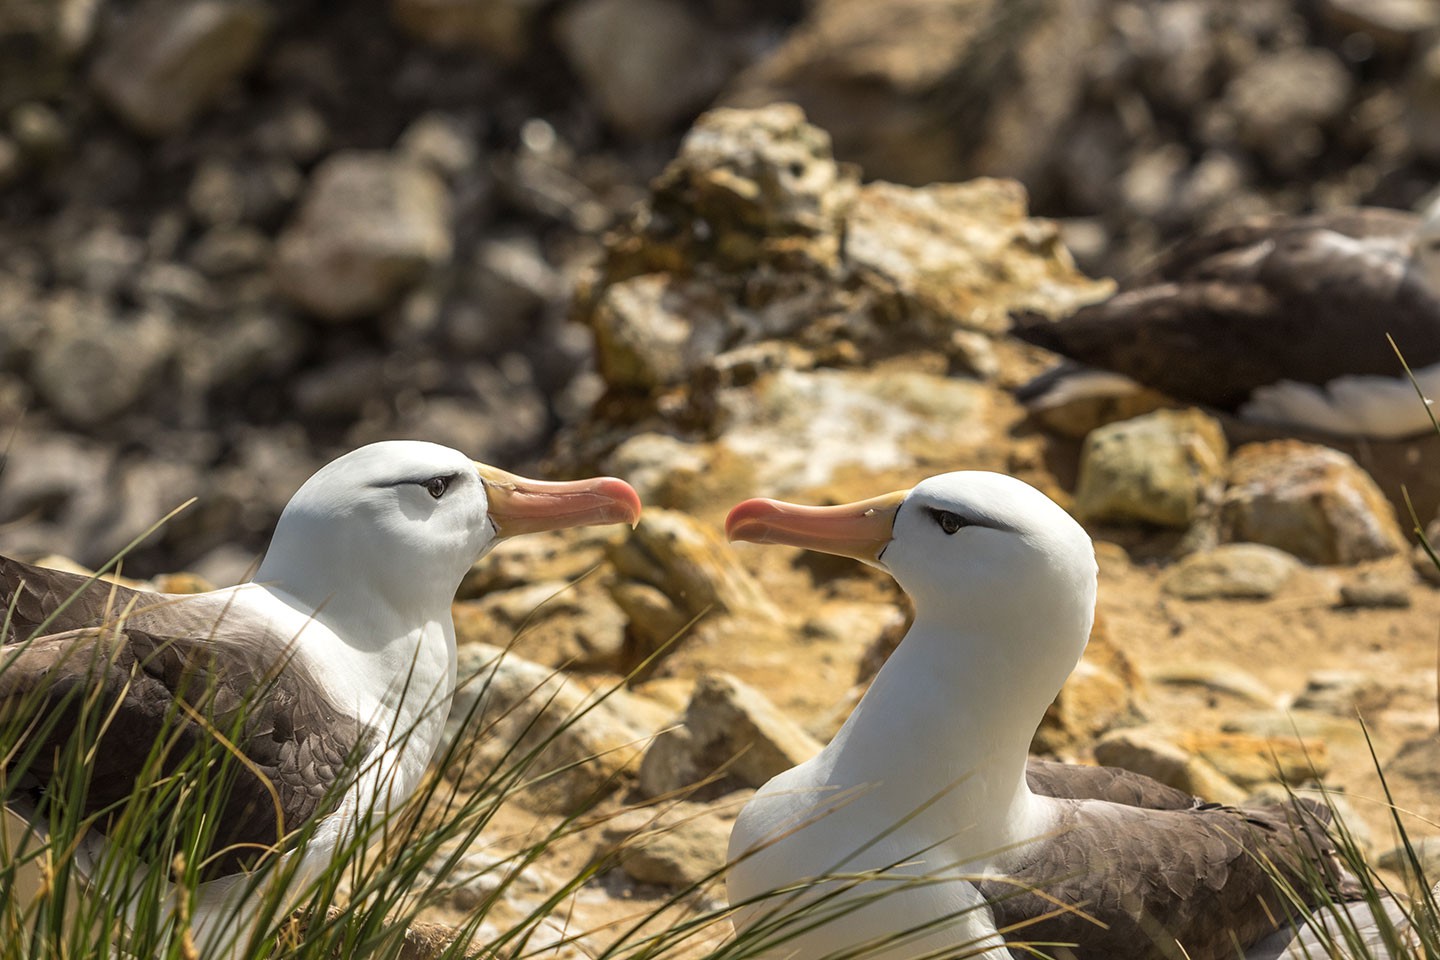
pixel 860 530
pixel 519 505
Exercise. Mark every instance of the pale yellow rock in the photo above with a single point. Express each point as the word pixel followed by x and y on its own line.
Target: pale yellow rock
pixel 962 254
pixel 1232 571
pixel 1251 760
pixel 1157 755
pixel 728 730
pixel 1162 468
pixel 691 565
pixel 1308 500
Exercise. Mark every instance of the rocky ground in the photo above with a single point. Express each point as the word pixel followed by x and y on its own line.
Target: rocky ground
pixel 237 238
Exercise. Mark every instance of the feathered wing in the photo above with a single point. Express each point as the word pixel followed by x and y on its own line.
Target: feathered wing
pixel 1071 781
pixel 40 599
pixel 1264 300
pixel 1197 882
pixel 185 672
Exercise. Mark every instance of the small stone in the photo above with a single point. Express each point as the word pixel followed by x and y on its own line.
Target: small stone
pixel 1418 761
pixel 62 485
pixel 1392 24
pixel 1232 571
pixel 93 365
pixel 1282 102
pixel 370 226
pixel 225 251
pixel 173 288
pixel 1251 761
pixel 649 334
pixel 1156 755
pixel 1420 859
pixel 650 462
pixel 555 623
pixel 694 571
pixel 747 186
pixel 1310 501
pixel 1105 398
pixel 556 555
pixel 658 624
pixel 297 132
pixel 39 131
pixel 506 706
pixel 679 846
pixel 171 59
pixel 1340 692
pixel 216 196
pixel 649 63
pixel 962 255
pixel 499 27
pixel 437 141
pixel 1309 725
pixel 102 259
pixel 728 727
pixel 1218 677
pixel 1377 589
pixel 1163 468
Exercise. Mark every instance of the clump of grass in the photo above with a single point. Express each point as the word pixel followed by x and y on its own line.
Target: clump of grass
pixel 1383 923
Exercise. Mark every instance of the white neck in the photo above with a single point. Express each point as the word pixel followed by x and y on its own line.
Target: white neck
pixel 950 716
pixel 394 669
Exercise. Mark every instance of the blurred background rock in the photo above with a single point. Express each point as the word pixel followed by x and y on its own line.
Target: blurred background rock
pixel 239 236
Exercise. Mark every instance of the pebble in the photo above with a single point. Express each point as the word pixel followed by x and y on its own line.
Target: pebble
pixel 1422 852
pixel 1232 571
pixel 691 571
pixel 648 63
pixel 171 59
pixel 94 365
pixel 502 28
pixel 507 706
pixel 1340 692
pixel 1163 468
pixel 370 226
pixel 730 729
pixel 1218 677
pixel 681 845
pixel 1311 501
pixel 1377 590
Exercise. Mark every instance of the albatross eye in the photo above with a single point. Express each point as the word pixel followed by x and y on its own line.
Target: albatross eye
pixel 949 522
pixel 436 486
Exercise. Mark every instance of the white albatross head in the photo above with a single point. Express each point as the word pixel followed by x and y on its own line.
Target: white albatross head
pixel 404 520
pixel 983 555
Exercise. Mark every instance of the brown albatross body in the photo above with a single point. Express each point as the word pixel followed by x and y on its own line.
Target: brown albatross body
pixel 1279 319
pixel 967 846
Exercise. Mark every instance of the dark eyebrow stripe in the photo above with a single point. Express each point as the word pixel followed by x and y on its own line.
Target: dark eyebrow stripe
pixel 971 520
pixel 386 484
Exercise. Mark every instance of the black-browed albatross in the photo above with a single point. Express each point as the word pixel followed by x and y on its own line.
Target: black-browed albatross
pixel 343 641
pixel 926 785
pixel 1279 319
